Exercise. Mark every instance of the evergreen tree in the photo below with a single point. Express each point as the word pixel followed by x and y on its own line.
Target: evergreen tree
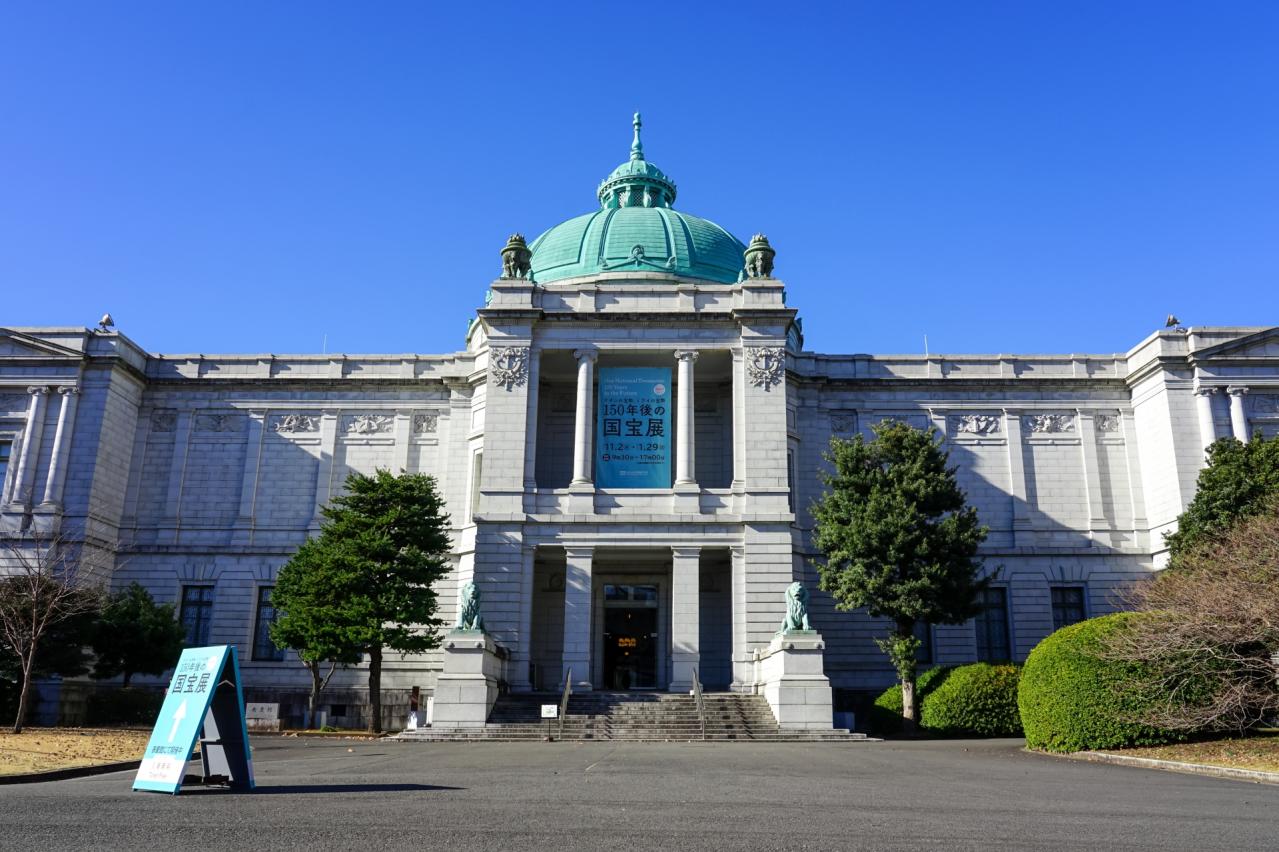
pixel 899 540
pixel 366 582
pixel 135 635
pixel 1238 482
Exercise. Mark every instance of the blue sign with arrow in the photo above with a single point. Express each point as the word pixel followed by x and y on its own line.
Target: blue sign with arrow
pixel 204 696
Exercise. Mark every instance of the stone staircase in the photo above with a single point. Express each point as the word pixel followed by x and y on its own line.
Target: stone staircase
pixel 632 717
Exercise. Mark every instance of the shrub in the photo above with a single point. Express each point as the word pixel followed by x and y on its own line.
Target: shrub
pixel 124 706
pixel 978 700
pixel 886 712
pixel 1071 699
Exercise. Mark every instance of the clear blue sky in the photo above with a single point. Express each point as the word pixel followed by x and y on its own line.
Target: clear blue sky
pixel 1012 177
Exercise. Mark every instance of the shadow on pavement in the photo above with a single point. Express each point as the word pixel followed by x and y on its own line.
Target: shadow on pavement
pixel 287 789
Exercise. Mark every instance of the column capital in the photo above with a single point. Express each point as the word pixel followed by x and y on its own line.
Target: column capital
pixel 1236 390
pixel 686 354
pixel 68 390
pixel 588 355
pixel 681 552
pixel 37 390
pixel 1206 390
pixel 579 552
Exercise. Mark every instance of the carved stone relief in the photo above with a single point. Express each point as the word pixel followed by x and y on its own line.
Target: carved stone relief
pixel 218 422
pixel 1048 423
pixel 508 366
pixel 765 365
pixel 293 423
pixel 368 424
pixel 1107 423
pixel 1265 403
pixel 164 419
pixel 424 424
pixel 975 424
pixel 843 422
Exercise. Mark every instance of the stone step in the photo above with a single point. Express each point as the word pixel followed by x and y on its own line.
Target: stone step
pixel 632 717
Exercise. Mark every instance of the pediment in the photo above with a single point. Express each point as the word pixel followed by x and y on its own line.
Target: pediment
pixel 15 344
pixel 1259 345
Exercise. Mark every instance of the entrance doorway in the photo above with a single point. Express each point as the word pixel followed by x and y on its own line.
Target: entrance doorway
pixel 630 637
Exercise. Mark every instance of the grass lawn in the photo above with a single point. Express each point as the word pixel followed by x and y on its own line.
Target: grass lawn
pixel 43 749
pixel 1256 752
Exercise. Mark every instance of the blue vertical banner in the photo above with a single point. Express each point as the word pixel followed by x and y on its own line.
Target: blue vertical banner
pixel 633 428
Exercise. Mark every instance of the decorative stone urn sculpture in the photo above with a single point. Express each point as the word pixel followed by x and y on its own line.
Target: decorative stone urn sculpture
pixel 759 258
pixel 796 609
pixel 516 257
pixel 468 609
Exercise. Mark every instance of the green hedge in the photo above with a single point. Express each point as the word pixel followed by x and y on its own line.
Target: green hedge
pixel 886 712
pixel 124 706
pixel 975 700
pixel 1072 700
pixel 978 700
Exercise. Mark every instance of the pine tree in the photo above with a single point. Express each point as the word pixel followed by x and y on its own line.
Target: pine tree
pixel 135 635
pixel 899 539
pixel 366 583
pixel 1239 481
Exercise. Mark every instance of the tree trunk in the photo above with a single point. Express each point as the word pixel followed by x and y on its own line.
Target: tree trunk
pixel 910 724
pixel 313 702
pixel 23 697
pixel 375 691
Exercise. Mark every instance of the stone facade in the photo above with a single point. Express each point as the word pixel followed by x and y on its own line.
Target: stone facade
pixel 210 470
pixel 200 474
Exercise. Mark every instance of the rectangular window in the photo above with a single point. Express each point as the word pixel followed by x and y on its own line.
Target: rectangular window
pixel 924 633
pixel 1068 606
pixel 993 645
pixel 197 614
pixel 263 647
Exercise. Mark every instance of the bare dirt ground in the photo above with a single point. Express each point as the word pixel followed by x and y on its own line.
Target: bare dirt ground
pixel 43 749
pixel 1260 753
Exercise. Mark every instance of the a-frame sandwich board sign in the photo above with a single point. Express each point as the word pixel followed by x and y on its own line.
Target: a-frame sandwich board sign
pixel 204 697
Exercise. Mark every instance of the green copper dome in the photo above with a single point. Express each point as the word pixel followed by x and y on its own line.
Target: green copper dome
pixel 636 229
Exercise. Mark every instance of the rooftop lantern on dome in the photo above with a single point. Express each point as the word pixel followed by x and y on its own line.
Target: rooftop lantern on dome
pixel 637 182
pixel 759 258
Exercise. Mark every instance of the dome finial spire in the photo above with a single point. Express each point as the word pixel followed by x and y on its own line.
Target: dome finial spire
pixel 637 147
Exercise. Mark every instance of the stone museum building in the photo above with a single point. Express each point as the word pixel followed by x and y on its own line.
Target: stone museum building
pixel 629 443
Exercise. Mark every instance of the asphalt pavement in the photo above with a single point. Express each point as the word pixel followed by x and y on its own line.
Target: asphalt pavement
pixel 385 795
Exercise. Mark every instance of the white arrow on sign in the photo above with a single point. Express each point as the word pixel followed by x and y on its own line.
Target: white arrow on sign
pixel 178 716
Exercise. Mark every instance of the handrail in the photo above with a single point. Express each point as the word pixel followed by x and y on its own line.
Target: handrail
pixel 701 705
pixel 568 690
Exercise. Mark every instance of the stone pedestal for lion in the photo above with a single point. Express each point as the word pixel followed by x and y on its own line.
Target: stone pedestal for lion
pixel 470 682
pixel 789 673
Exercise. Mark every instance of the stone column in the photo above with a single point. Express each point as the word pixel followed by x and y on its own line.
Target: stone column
pixel 584 420
pixel 685 472
pixel 1203 405
pixel 522 648
pixel 578 591
pixel 1238 417
pixel 324 474
pixel 685 616
pixel 57 477
pixel 254 436
pixel 530 424
pixel 32 435
pixel 741 641
pixel 739 424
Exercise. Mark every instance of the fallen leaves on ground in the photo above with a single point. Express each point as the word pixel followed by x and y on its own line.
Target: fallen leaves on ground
pixel 43 749
pixel 1260 752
